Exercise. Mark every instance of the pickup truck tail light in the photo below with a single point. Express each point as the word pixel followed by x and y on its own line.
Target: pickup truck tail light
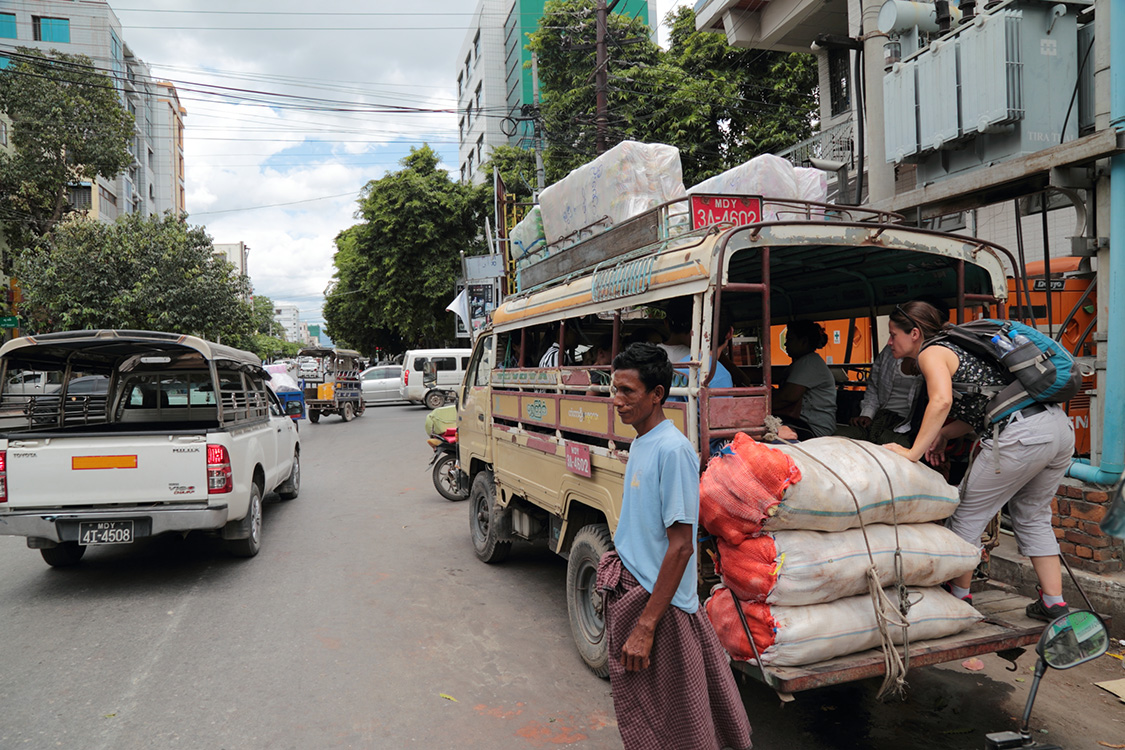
pixel 3 476
pixel 219 476
pixel 406 377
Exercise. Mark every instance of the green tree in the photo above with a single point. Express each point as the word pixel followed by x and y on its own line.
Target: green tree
pixel 516 166
pixel 261 318
pixel 720 105
pixel 157 274
pixel 396 270
pixel 68 125
pixel 564 43
pixel 271 347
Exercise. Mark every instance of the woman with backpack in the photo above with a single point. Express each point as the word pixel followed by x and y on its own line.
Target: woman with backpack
pixel 1022 458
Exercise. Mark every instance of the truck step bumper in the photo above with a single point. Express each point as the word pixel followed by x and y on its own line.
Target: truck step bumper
pixel 62 526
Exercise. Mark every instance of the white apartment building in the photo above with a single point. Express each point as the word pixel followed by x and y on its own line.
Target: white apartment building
pixel 481 91
pixel 289 316
pixel 155 181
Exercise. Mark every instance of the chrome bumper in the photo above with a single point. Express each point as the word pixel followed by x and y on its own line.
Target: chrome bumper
pixel 62 525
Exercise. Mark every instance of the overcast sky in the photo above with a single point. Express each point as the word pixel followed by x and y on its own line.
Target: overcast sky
pixel 241 155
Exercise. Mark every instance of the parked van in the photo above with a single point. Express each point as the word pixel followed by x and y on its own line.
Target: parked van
pixel 449 366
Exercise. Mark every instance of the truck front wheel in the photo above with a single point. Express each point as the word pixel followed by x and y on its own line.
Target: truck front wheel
pixel 64 555
pixel 483 521
pixel 583 600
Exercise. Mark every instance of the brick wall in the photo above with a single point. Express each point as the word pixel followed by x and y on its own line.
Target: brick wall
pixel 1078 509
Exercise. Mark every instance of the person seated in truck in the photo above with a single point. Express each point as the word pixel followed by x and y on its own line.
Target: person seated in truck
pixel 806 400
pixel 510 355
pixel 601 355
pixel 888 403
pixel 551 357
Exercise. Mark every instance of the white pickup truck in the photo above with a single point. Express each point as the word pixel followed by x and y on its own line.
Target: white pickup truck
pixel 177 434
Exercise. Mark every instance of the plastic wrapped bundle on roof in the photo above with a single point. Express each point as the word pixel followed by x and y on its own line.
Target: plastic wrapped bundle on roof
pixel 769 176
pixel 283 382
pixel 527 236
pixel 625 181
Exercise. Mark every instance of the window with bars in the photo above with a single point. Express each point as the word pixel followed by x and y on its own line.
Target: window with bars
pixel 46 29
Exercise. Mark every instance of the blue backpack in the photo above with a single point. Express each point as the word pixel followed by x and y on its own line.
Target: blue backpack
pixel 1041 370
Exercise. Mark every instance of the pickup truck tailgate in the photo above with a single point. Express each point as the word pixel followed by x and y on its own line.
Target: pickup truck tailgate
pixel 103 470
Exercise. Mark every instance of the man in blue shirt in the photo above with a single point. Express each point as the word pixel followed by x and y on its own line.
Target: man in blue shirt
pixel 675 690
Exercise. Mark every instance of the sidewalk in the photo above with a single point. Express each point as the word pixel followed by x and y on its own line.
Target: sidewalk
pixel 1106 590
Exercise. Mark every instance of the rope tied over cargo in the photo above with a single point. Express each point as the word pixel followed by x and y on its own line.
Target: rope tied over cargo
pixel 887 615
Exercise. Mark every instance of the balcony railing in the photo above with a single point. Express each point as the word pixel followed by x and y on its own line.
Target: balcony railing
pixel 835 143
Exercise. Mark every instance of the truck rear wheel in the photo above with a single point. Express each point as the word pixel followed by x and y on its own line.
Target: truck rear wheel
pixel 583 600
pixel 348 411
pixel 483 521
pixel 64 555
pixel 249 546
pixel 314 416
pixel 435 399
pixel 292 486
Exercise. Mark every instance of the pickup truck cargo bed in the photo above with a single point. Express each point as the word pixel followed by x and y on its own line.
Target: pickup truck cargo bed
pixel 1005 626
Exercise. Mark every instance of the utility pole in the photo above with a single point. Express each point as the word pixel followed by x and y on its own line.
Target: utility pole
pixel 540 171
pixel 601 77
pixel 880 174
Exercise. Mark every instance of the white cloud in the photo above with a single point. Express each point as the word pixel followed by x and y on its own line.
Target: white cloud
pixel 239 154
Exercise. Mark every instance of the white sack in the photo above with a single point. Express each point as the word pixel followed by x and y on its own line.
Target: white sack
pixel 821 503
pixel 813 567
pixel 817 632
pixel 627 180
pixel 824 631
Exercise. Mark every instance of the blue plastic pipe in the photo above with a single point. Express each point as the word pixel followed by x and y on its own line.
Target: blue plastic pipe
pixel 1113 423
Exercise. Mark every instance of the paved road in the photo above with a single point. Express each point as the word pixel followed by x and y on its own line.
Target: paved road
pixel 366 622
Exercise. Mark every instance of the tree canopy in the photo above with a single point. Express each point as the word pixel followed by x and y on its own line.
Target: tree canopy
pixel 720 105
pixel 396 270
pixel 68 125
pixel 157 274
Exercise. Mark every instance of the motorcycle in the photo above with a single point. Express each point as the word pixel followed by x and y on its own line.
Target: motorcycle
pixel 447 475
pixel 1070 640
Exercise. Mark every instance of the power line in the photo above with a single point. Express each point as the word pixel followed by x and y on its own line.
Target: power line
pixel 271 205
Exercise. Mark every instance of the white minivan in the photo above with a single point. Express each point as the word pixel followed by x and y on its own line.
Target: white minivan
pixel 449 365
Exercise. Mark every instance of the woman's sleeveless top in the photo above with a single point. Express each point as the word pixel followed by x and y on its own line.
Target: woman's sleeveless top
pixel 970 407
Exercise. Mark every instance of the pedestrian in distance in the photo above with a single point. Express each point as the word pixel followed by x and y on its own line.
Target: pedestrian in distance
pixel 1021 466
pixel 671 679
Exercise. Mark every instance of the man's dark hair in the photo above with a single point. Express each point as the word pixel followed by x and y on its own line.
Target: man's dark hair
pixel 651 363
pixel 678 315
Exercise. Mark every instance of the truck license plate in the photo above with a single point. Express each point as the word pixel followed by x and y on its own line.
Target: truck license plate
pixel 105 532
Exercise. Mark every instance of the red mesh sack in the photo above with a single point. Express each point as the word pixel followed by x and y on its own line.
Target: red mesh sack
pixel 749 569
pixel 740 486
pixel 728 627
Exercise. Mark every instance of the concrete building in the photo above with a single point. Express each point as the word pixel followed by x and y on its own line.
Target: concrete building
pixel 238 255
pixel 155 181
pixel 289 316
pixel 494 76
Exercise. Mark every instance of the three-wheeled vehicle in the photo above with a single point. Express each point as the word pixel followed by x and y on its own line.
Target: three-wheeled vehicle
pixel 333 387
